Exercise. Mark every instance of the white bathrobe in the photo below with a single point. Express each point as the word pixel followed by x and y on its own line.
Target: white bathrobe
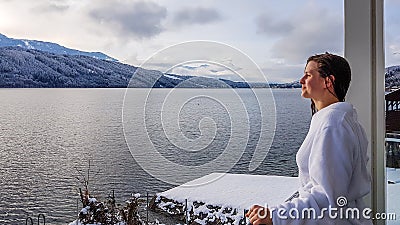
pixel 332 164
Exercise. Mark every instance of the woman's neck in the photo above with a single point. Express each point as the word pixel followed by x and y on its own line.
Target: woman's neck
pixel 320 104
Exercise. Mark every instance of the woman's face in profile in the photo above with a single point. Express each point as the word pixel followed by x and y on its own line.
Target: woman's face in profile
pixel 312 84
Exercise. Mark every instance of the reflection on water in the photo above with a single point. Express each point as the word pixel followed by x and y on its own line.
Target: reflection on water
pixel 48 135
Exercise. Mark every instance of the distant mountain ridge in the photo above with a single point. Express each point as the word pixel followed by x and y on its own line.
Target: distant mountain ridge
pixel 31 68
pixel 49 47
pixel 38 64
pixel 392 77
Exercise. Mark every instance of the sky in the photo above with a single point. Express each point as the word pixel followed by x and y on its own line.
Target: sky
pixel 277 36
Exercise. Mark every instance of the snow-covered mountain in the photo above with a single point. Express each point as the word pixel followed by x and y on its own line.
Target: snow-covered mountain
pixel 392 77
pixel 31 68
pixel 49 47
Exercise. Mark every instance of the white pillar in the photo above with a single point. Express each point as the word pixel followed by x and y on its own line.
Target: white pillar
pixel 364 48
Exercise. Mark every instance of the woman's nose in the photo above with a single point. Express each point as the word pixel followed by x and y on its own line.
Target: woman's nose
pixel 302 80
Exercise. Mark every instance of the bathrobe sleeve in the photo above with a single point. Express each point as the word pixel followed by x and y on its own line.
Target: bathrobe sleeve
pixel 330 169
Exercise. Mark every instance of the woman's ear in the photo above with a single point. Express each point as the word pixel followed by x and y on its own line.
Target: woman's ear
pixel 329 81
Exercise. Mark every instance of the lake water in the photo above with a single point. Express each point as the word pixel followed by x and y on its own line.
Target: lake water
pixel 48 135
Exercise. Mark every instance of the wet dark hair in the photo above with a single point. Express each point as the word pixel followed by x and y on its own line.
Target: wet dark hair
pixel 330 64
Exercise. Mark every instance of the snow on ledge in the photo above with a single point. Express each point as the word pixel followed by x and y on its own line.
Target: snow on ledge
pixel 235 190
pixel 220 198
pixel 393 194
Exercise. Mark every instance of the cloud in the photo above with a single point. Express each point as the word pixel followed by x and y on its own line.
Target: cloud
pixel 194 67
pixel 208 69
pixel 134 30
pixel 53 6
pixel 47 6
pixel 199 15
pixel 392 33
pixel 392 51
pixel 319 31
pixel 267 25
pixel 141 19
pixel 281 73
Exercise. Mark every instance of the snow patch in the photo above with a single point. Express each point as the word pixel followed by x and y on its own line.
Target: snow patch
pixel 393 194
pixel 172 77
pixel 28 45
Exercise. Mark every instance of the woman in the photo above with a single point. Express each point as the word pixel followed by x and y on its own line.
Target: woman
pixel 332 160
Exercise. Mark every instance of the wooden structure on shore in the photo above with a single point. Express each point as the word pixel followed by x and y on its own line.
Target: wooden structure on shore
pixel 393 111
pixel 393 129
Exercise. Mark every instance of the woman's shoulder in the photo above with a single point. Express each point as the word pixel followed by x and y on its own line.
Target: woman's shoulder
pixel 335 115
